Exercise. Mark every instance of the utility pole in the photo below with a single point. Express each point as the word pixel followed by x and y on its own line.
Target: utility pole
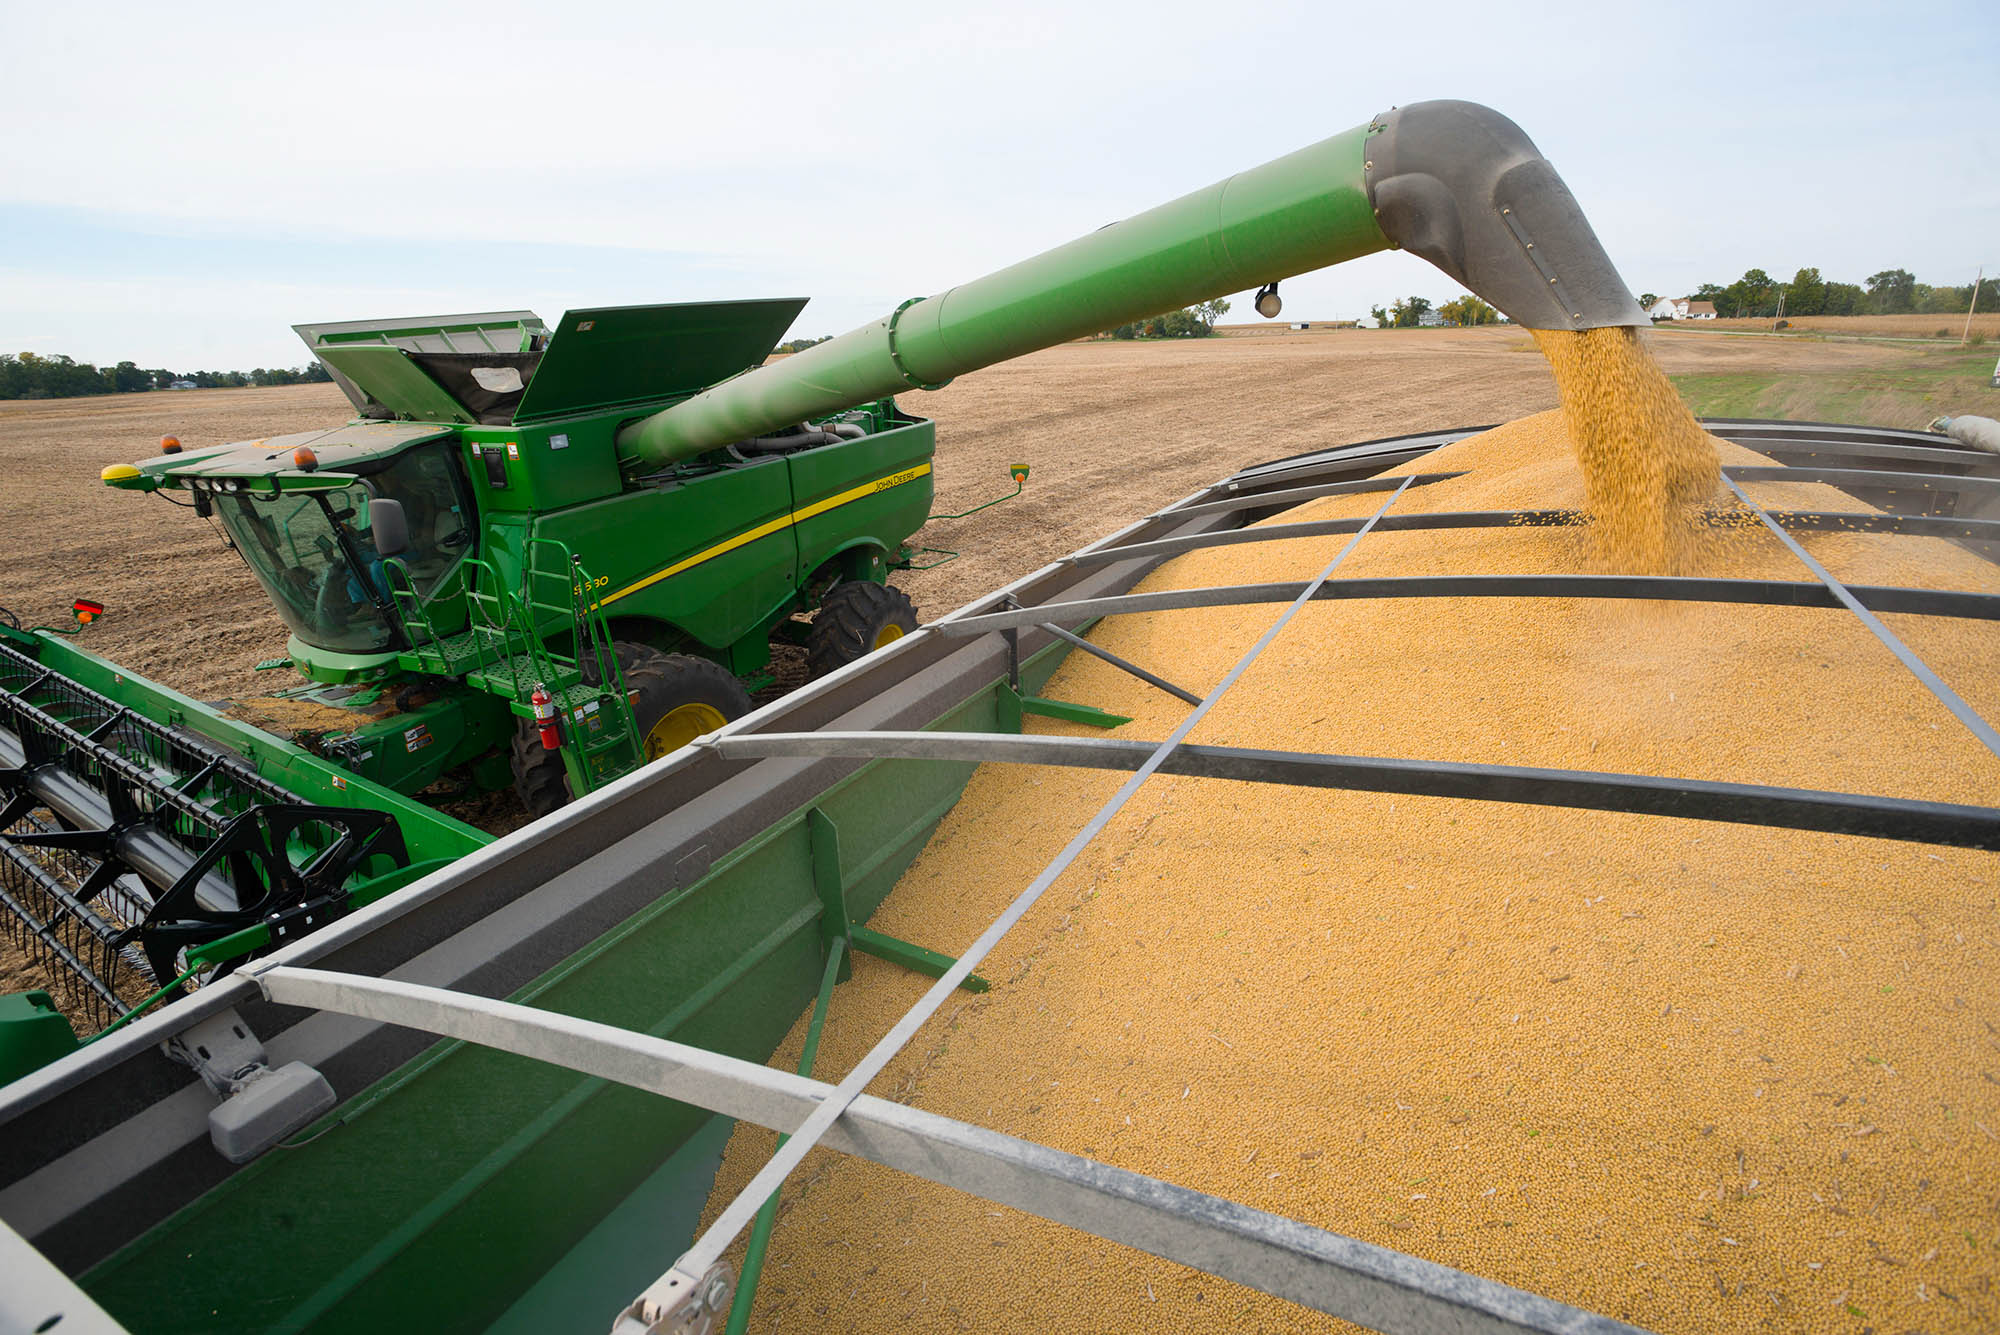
pixel 1972 306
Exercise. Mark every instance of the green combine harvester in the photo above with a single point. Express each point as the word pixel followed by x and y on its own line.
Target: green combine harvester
pixel 482 584
pixel 488 573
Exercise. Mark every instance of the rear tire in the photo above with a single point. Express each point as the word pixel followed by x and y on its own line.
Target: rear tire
pixel 855 619
pixel 675 698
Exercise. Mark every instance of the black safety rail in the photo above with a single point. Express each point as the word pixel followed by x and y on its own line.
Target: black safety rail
pixel 124 842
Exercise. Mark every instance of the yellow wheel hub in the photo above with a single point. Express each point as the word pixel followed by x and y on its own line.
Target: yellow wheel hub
pixel 888 635
pixel 680 726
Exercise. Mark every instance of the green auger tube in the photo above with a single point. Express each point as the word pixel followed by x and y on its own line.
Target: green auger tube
pixel 1454 182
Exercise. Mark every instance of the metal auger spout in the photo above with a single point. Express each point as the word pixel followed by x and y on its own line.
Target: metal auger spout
pixel 1465 188
pixel 1454 182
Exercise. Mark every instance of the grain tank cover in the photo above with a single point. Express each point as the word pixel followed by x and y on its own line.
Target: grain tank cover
pixel 487 331
pixel 505 367
pixel 616 356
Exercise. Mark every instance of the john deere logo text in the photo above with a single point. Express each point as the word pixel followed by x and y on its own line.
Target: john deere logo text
pixel 898 479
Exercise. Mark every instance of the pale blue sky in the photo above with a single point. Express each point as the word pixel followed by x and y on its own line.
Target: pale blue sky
pixel 179 187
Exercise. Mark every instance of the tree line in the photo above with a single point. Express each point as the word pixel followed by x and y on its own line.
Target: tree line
pixel 1890 292
pixel 1409 312
pixel 30 375
pixel 1190 322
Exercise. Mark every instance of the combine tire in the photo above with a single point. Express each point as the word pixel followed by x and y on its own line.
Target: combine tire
pixel 539 780
pixel 675 699
pixel 855 619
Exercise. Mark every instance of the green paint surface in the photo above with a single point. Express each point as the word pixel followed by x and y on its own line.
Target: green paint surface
pixel 441 1196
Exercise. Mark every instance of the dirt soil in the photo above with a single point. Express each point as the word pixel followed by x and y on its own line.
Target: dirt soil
pixel 181 608
pixel 1111 430
pixel 1985 324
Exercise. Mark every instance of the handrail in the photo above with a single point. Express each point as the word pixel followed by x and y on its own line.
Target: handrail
pixel 1372 1285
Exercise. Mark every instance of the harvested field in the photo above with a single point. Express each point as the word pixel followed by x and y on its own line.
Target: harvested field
pixel 1701 1077
pixel 1986 323
pixel 1112 430
pixel 1282 329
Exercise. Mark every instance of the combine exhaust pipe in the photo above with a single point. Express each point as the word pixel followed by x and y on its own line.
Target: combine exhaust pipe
pixel 1454 182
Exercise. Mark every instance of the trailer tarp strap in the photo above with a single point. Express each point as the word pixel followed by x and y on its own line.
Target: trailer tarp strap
pixel 708 1249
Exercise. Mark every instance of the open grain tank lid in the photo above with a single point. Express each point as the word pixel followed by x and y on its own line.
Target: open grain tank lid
pixel 616 356
pixel 507 366
pixel 371 360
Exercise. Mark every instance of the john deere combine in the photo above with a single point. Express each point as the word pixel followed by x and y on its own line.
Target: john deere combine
pixel 481 571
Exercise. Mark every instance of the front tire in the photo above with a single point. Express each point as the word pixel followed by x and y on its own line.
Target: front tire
pixel 678 697
pixel 855 619
pixel 675 699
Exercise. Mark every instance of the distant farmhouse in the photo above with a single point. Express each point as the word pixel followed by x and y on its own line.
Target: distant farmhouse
pixel 1430 320
pixel 1682 308
pixel 181 384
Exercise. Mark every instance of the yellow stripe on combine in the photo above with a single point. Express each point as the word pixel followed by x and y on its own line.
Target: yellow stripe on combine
pixel 765 530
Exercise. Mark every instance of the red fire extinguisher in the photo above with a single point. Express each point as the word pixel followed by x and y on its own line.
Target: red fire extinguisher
pixel 545 717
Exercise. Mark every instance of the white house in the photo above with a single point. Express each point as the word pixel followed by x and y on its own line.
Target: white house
pixel 1682 308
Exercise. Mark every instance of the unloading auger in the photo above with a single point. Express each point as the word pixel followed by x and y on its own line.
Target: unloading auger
pixel 1454 182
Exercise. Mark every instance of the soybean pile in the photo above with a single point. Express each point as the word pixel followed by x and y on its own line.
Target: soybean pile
pixel 1697 1076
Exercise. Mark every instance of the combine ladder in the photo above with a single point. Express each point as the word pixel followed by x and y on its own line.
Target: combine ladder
pixel 505 650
